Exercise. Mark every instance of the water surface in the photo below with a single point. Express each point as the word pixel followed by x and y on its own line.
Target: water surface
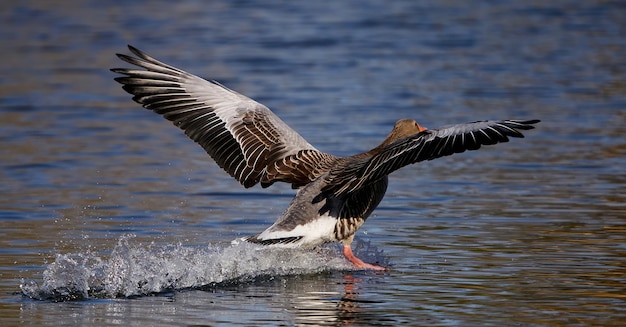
pixel 111 216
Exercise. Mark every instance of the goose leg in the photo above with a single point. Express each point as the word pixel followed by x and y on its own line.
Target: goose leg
pixel 358 263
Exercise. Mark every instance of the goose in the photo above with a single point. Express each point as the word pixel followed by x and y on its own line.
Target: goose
pixel 335 195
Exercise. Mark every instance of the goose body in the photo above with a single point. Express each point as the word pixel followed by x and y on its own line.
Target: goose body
pixel 335 195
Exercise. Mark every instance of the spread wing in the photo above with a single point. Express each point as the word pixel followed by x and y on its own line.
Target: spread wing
pixel 243 136
pixel 426 145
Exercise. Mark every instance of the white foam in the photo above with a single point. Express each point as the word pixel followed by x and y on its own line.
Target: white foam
pixel 134 269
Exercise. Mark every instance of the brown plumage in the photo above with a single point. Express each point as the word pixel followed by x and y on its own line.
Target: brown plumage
pixel 335 194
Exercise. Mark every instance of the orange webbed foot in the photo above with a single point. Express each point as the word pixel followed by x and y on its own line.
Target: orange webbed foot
pixel 358 263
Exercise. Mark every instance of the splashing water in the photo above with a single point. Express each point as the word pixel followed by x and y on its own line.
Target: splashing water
pixel 139 269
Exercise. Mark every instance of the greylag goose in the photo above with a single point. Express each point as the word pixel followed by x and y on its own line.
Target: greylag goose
pixel 334 194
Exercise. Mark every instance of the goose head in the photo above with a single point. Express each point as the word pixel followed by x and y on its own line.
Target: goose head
pixel 402 128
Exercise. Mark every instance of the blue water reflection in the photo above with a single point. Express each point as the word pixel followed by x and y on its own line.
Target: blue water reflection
pixel 528 233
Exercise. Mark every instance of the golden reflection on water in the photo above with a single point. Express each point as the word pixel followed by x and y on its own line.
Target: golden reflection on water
pixel 529 233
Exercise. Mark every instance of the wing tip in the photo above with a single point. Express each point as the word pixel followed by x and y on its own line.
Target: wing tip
pixel 524 124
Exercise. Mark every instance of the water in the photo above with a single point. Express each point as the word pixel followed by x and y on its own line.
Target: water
pixel 110 216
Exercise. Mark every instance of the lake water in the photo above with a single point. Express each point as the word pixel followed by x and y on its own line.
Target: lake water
pixel 111 216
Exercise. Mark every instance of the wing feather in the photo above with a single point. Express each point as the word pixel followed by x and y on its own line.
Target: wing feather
pixel 243 136
pixel 426 145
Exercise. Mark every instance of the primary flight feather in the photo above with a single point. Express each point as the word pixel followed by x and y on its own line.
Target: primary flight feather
pixel 335 194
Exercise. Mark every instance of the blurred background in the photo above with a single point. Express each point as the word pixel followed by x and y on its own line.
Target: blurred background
pixel 531 232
